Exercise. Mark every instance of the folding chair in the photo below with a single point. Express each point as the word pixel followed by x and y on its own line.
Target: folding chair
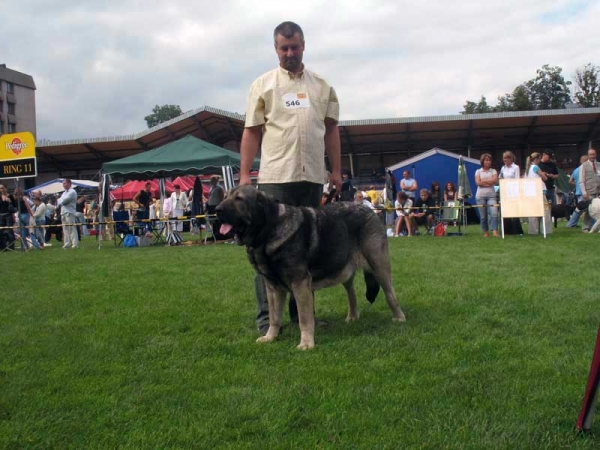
pixel 451 214
pixel 121 219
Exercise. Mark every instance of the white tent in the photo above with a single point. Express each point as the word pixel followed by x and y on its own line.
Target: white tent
pixel 54 186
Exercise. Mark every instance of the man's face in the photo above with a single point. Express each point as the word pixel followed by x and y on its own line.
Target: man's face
pixel 290 52
pixel 147 188
pixel 545 157
pixel 358 198
pixel 424 196
pixel 66 185
pixel 592 155
pixel 406 174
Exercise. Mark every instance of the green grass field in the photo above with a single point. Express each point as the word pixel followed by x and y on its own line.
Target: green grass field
pixel 154 348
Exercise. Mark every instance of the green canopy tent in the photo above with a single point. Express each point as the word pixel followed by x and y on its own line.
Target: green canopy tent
pixel 186 156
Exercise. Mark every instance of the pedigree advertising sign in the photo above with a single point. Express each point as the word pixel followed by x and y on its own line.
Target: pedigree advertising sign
pixel 17 156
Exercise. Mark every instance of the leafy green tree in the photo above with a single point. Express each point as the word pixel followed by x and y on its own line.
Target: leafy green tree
pixel 587 86
pixel 549 89
pixel 162 114
pixel 520 99
pixel 476 108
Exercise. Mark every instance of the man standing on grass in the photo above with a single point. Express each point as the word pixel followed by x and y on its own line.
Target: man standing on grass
pixel 67 203
pixel 295 112
pixel 549 168
pixel 589 181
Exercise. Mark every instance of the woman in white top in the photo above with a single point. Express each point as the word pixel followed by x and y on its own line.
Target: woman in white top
pixel 511 171
pixel 532 170
pixel 179 203
pixel 486 178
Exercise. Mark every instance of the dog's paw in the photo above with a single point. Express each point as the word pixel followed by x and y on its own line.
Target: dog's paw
pixel 264 339
pixel 306 345
pixel 399 319
pixel 350 319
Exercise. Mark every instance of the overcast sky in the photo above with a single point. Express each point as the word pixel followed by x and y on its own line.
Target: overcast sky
pixel 100 67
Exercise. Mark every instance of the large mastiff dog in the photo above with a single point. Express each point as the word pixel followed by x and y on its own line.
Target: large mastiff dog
pixel 304 249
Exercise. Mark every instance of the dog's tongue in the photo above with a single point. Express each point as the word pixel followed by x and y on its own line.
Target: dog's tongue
pixel 225 228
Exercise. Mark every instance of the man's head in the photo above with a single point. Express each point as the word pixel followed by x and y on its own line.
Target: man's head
pixel 289 45
pixel 66 184
pixel 147 187
pixel 546 155
pixel 406 174
pixel 345 176
pixel 214 180
pixel 592 154
pixel 402 197
pixel 177 188
pixel 358 197
pixel 424 194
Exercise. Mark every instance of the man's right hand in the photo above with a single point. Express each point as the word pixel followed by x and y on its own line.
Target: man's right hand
pixel 245 180
pixel 585 196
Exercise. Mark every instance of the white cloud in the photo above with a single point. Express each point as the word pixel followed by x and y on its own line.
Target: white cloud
pixel 101 67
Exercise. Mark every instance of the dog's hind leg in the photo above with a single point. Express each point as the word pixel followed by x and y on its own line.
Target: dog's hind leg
pixel 352 304
pixel 306 312
pixel 276 299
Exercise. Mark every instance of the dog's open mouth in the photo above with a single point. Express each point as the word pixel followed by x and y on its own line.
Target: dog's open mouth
pixel 225 228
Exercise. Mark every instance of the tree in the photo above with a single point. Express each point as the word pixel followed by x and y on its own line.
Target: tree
pixel 162 114
pixel 587 86
pixel 521 99
pixel 549 89
pixel 476 108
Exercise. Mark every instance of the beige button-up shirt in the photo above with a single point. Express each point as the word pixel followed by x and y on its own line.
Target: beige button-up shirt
pixel 292 109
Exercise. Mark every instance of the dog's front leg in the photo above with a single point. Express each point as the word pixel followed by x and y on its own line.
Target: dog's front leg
pixel 306 312
pixel 276 299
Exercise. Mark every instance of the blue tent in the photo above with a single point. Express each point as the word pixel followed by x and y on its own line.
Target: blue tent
pixel 436 165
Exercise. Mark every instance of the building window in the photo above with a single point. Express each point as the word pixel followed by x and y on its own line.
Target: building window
pixel 11 108
pixel 10 88
pixel 1 127
pixel 1 106
pixel 12 128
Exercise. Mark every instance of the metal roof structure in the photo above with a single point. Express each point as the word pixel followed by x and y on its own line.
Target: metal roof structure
pixel 405 137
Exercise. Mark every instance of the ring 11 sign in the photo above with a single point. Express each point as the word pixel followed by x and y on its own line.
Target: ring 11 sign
pixel 17 156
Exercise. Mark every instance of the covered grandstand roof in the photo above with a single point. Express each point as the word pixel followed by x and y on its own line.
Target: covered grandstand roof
pixel 405 136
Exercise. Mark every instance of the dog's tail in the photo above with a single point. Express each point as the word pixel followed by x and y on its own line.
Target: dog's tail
pixel 372 287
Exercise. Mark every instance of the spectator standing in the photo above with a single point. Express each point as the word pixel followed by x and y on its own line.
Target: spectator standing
pixel 179 203
pixel 486 178
pixel 589 181
pixel 8 206
pixel 574 180
pixel 295 112
pixel 144 199
pixel 532 170
pixel 39 216
pixel 216 195
pixel 82 229
pixel 67 202
pixel 511 171
pixel 25 217
pixel 408 185
pixel 548 166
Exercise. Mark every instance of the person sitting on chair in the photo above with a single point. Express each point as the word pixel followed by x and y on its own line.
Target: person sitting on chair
pixel 422 213
pixel 403 207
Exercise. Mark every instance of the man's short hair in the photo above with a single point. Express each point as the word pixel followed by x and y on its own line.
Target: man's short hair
pixel 214 178
pixel 148 184
pixel 68 180
pixel 288 30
